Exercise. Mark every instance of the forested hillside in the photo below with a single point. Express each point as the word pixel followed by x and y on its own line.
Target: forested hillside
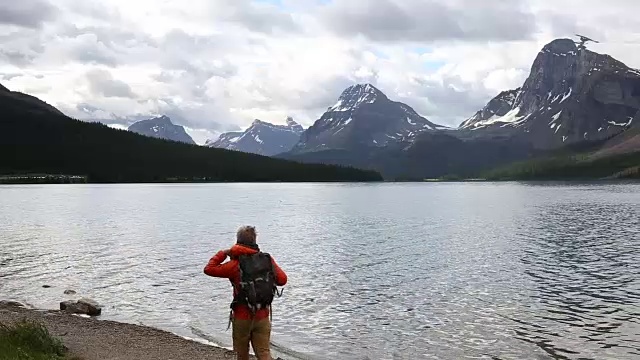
pixel 36 138
pixel 571 167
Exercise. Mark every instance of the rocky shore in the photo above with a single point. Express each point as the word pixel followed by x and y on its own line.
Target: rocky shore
pixel 93 339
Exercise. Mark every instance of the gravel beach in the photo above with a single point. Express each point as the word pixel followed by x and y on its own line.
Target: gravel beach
pixel 93 339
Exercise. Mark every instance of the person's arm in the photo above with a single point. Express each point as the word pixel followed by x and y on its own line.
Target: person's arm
pixel 216 268
pixel 281 277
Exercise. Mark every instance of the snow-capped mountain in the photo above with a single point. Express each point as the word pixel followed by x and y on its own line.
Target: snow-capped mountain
pixel 161 128
pixel 571 95
pixel 496 109
pixel 363 117
pixel 225 141
pixel 261 138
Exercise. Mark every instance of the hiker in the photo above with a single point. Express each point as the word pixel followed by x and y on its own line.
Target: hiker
pixel 249 268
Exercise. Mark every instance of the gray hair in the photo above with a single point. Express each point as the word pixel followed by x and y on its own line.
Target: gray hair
pixel 246 235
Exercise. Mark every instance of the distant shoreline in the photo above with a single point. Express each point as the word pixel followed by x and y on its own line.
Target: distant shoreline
pixel 93 339
pixel 47 179
pixel 27 179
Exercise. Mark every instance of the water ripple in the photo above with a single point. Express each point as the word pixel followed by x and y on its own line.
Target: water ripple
pixel 387 271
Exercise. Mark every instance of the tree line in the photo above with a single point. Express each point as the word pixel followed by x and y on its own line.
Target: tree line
pixel 578 167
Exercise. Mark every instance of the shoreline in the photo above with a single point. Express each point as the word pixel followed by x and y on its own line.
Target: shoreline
pixel 93 339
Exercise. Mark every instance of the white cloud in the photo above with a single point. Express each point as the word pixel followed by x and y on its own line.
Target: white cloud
pixel 217 65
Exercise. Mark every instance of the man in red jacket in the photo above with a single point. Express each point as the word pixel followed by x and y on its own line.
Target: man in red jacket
pixel 250 324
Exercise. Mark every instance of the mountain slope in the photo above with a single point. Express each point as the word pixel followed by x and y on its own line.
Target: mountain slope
pixel 40 139
pixel 627 142
pixel 161 128
pixel 431 154
pixel 494 111
pixel 362 117
pixel 571 95
pixel 261 138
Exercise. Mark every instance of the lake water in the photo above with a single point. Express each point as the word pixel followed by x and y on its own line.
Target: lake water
pixel 376 271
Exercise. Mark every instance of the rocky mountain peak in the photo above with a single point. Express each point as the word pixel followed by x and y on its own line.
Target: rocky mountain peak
pixel 363 117
pixel 558 47
pixel 293 124
pixel 163 119
pixel 572 94
pixel 356 95
pixel 161 127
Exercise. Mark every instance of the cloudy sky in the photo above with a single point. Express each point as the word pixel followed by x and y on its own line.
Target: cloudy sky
pixel 215 65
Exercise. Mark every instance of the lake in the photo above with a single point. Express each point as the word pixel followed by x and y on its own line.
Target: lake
pixel 376 271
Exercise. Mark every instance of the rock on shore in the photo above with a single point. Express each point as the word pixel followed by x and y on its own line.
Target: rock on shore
pixel 82 306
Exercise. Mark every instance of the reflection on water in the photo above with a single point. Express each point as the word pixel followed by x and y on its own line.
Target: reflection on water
pixel 384 271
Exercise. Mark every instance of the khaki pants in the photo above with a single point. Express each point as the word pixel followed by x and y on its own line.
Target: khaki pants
pixel 256 332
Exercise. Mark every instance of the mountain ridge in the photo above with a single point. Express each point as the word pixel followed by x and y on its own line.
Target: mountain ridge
pixel 161 127
pixel 261 137
pixel 572 95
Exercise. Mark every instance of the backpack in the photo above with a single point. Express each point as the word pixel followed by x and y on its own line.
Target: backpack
pixel 257 282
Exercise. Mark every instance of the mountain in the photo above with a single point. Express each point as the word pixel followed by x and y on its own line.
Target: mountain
pixel 261 138
pixel 161 128
pixel 572 95
pixel 41 139
pixel 363 117
pixel 367 130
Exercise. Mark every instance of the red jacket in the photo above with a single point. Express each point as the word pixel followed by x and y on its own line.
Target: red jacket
pixel 230 270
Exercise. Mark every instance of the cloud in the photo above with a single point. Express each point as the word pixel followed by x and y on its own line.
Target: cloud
pixel 102 83
pixel 450 99
pixel 9 76
pixel 217 65
pixel 21 47
pixel 88 51
pixel 26 13
pixel 16 57
pixel 260 17
pixel 430 20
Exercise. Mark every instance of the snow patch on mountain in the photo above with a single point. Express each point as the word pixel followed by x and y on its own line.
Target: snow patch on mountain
pixel 566 96
pixel 510 117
